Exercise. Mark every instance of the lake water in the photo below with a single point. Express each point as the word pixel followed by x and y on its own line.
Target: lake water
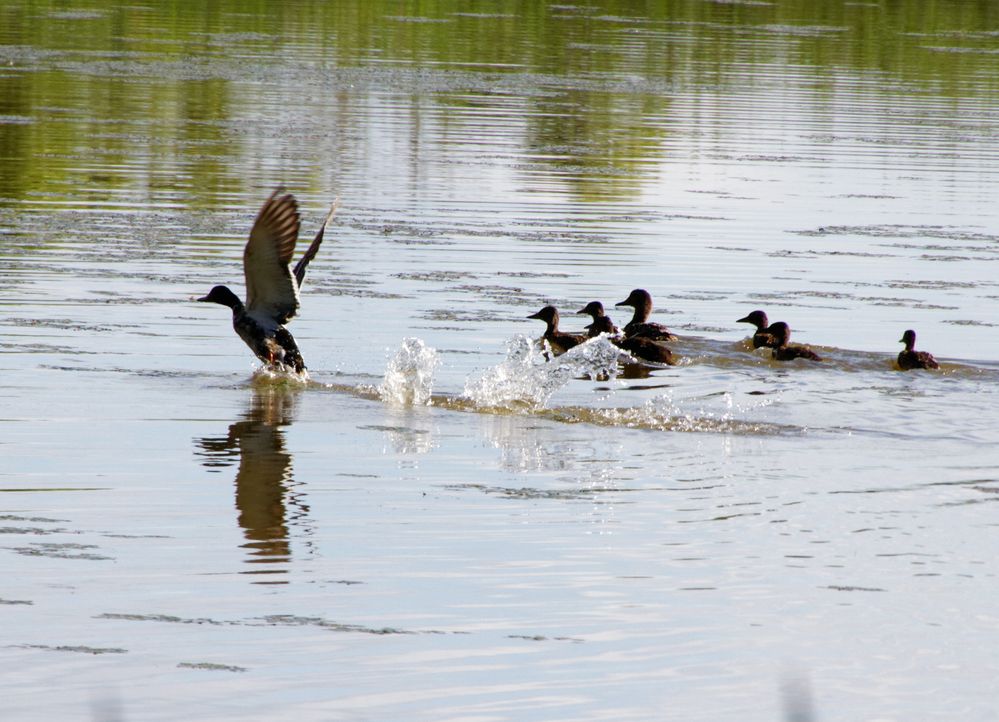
pixel 731 538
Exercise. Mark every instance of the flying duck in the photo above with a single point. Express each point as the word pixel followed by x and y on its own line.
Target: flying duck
pixel 782 352
pixel 910 359
pixel 560 342
pixel 271 284
pixel 639 325
pixel 761 337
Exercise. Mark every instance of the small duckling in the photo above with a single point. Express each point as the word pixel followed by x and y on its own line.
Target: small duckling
pixel 782 352
pixel 910 359
pixel 601 321
pixel 639 325
pixel 761 338
pixel 560 342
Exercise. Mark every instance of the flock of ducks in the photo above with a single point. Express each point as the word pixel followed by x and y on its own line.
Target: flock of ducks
pixel 272 300
pixel 645 340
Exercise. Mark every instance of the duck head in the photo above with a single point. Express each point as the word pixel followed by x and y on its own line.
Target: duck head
pixel 222 295
pixel 638 299
pixel 909 339
pixel 593 308
pixel 757 318
pixel 548 314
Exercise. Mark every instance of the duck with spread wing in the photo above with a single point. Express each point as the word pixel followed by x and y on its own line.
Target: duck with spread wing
pixel 271 284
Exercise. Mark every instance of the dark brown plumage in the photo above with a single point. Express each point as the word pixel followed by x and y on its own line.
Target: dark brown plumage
pixel 645 349
pixel 782 351
pixel 640 347
pixel 639 325
pixel 910 359
pixel 601 321
pixel 761 337
pixel 271 285
pixel 558 341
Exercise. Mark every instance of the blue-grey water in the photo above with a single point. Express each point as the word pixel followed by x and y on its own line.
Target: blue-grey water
pixel 441 525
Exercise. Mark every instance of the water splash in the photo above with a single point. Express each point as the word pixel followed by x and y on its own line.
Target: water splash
pixel 525 379
pixel 409 375
pixel 278 376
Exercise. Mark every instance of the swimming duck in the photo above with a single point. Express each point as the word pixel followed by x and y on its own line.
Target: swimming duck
pixel 782 352
pixel 601 321
pixel 910 359
pixel 640 347
pixel 761 337
pixel 271 285
pixel 559 342
pixel 639 325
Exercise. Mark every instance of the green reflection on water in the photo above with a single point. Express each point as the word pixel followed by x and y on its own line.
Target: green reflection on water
pixel 159 100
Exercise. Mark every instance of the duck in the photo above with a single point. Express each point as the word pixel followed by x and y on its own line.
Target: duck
pixel 558 341
pixel 639 325
pixel 759 319
pixel 272 286
pixel 601 321
pixel 911 359
pixel 782 352
pixel 640 347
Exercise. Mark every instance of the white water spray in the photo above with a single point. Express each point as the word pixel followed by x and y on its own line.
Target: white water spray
pixel 526 378
pixel 409 376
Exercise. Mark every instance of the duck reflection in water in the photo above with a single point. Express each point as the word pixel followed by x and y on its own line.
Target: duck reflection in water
pixel 265 498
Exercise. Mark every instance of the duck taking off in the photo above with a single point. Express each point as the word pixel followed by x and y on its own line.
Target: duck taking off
pixel 271 284
pixel 911 359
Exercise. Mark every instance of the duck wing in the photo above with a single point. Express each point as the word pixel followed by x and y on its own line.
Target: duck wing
pixel 313 249
pixel 271 290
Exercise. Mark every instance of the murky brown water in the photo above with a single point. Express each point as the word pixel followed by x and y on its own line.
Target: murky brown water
pixel 728 538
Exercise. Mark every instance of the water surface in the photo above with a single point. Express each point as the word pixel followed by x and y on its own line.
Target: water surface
pixel 440 525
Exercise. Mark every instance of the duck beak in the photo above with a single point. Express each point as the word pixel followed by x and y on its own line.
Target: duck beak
pixel 581 311
pixel 744 319
pixel 535 315
pixel 203 299
pixel 622 303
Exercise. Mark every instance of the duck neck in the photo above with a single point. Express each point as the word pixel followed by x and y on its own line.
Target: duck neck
pixel 642 311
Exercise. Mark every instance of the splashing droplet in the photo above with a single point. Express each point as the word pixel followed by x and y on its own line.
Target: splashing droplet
pixel 409 376
pixel 526 379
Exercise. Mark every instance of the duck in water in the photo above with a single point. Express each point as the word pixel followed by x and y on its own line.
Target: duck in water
pixel 601 321
pixel 911 359
pixel 782 352
pixel 642 348
pixel 761 337
pixel 558 341
pixel 639 325
pixel 271 284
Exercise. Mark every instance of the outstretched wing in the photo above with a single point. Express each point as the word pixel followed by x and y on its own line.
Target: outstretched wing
pixel 271 290
pixel 314 246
